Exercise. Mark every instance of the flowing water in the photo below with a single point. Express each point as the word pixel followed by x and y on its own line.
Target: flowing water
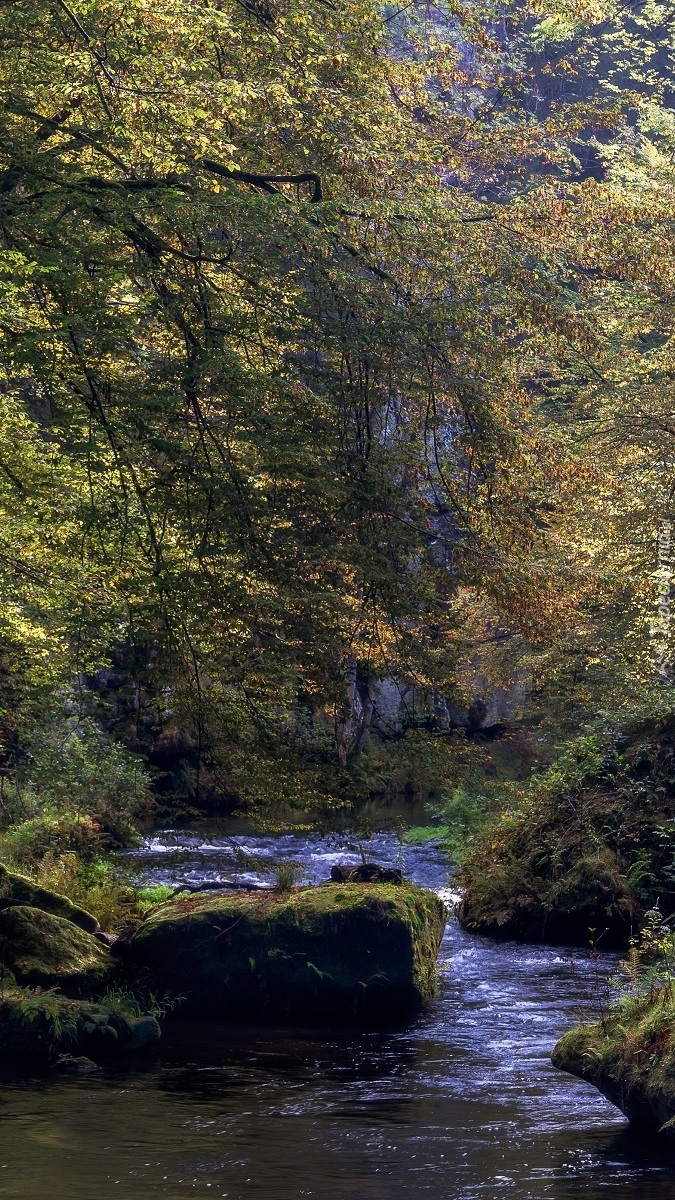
pixel 462 1104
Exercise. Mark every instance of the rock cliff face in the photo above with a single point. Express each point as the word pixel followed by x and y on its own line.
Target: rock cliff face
pixel 629 1057
pixel 337 952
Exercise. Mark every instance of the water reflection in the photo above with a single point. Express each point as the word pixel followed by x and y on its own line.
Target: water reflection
pixel 463 1105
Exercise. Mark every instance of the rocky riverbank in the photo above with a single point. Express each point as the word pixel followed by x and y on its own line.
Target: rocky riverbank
pixel 333 953
pixel 629 1056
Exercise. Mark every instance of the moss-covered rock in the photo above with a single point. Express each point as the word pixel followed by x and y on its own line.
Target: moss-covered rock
pixel 335 952
pixel 586 850
pixel 44 1027
pixel 42 950
pixel 629 1057
pixel 17 889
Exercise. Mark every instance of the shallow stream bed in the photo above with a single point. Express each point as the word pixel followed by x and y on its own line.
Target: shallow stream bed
pixel 463 1104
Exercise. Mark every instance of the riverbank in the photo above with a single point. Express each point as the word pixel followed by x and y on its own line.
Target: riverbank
pixel 579 855
pixel 462 1104
pixel 629 1056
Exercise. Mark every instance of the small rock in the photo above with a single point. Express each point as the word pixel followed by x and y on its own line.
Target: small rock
pixel 69 1065
pixel 365 873
pixel 108 939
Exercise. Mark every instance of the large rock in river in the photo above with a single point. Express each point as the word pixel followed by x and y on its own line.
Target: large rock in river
pixel 45 951
pixel 334 952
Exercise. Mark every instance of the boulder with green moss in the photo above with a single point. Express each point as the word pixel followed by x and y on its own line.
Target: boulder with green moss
pixel 581 854
pixel 337 952
pixel 41 1028
pixel 17 890
pixel 629 1057
pixel 42 950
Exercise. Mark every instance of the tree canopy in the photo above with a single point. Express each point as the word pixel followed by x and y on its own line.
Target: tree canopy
pixel 318 351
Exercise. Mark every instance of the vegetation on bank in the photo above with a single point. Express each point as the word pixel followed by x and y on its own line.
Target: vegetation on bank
pixel 629 1053
pixel 586 849
pixel 46 1027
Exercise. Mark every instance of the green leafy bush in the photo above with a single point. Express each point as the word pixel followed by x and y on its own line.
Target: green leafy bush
pixel 50 836
pixel 73 769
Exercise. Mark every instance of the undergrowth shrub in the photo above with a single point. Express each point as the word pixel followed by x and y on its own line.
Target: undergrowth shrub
pixel 93 885
pixel 47 836
pixel 73 772
pixel 585 849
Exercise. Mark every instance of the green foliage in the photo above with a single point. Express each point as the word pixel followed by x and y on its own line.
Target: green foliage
pixel 46 1012
pixel 95 886
pixel 135 1002
pixel 50 837
pixel 580 853
pixel 420 835
pixel 649 967
pixel 286 876
pixel 71 773
pixel 464 814
pixel 148 897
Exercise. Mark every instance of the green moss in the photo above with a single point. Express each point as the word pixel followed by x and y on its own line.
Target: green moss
pixel 630 1057
pixel 20 890
pixel 42 950
pixel 332 952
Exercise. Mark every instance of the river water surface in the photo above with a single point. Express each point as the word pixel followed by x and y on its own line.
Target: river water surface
pixel 462 1104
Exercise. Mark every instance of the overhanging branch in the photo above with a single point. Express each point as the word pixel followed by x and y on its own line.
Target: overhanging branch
pixel 266 182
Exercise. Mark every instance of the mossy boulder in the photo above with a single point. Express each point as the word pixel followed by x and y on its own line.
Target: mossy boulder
pixel 337 952
pixel 42 1028
pixel 582 853
pixel 42 950
pixel 629 1057
pixel 17 889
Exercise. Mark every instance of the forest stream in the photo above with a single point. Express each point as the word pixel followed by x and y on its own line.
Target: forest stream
pixel 464 1103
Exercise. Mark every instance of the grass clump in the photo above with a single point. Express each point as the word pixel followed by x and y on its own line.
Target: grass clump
pixel 287 876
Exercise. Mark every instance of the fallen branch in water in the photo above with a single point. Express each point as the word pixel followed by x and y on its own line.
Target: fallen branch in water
pixel 222 885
